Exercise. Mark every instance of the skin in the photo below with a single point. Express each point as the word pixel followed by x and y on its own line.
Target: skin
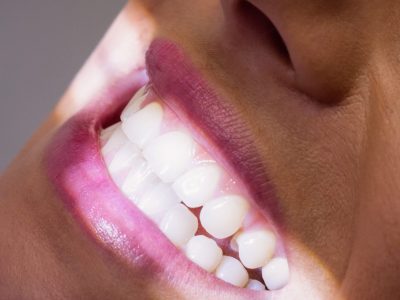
pixel 325 117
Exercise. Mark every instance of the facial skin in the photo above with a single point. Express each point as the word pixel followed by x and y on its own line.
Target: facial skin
pixel 325 116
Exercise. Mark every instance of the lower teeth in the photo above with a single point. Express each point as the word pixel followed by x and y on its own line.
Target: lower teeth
pixel 165 173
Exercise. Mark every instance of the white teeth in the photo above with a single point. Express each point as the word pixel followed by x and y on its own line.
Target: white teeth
pixel 204 252
pixel 135 103
pixel 139 179
pixel 197 185
pixel 179 225
pixel 106 133
pixel 170 154
pixel 157 201
pixel 232 271
pixel 255 285
pixel 223 216
pixel 256 248
pixel 123 158
pixel 114 143
pixel 144 124
pixel 158 170
pixel 276 273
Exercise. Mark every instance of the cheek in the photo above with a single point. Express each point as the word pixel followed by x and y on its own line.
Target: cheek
pixel 313 156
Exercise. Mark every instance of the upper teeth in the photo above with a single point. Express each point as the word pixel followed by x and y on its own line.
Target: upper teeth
pixel 159 166
pixel 142 126
pixel 170 154
pixel 198 185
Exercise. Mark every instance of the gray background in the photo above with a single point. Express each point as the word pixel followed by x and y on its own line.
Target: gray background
pixel 43 43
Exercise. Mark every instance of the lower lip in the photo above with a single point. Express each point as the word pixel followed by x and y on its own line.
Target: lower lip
pixel 76 169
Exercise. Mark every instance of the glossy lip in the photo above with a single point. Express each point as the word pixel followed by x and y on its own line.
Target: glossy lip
pixel 76 168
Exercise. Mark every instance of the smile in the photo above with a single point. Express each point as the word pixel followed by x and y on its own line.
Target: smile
pixel 165 175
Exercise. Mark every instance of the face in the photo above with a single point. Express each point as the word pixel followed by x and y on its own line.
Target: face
pixel 294 106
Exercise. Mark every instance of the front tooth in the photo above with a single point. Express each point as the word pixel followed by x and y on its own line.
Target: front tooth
pixel 197 185
pixel 143 125
pixel 115 142
pixel 170 154
pixel 107 132
pixel 135 103
pixel 157 201
pixel 276 273
pixel 204 252
pixel 232 271
pixel 179 225
pixel 223 216
pixel 123 158
pixel 139 179
pixel 255 285
pixel 256 248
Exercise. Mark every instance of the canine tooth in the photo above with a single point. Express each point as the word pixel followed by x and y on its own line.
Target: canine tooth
pixel 115 142
pixel 255 285
pixel 170 154
pixel 123 157
pixel 135 103
pixel 232 271
pixel 156 201
pixel 144 124
pixel 223 216
pixel 276 273
pixel 204 252
pixel 197 185
pixel 139 179
pixel 179 224
pixel 256 248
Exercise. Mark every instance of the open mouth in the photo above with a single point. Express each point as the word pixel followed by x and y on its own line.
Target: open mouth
pixel 166 183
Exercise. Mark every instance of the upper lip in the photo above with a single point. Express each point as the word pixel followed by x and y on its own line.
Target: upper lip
pixel 85 187
pixel 184 90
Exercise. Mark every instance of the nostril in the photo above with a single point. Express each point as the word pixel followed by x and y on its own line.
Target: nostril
pixel 259 24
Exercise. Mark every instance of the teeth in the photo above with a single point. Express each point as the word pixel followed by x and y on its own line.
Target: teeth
pixel 256 248
pixel 204 252
pixel 106 133
pixel 158 170
pixel 170 154
pixel 143 125
pixel 197 185
pixel 114 143
pixel 223 216
pixel 138 180
pixel 232 271
pixel 276 273
pixel 179 225
pixel 255 285
pixel 157 201
pixel 123 158
pixel 135 103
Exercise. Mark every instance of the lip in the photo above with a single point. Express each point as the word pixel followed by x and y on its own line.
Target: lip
pixel 215 118
pixel 75 167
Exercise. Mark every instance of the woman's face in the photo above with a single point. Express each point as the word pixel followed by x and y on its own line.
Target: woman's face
pixel 297 100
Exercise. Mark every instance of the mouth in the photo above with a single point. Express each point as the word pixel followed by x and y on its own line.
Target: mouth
pixel 164 174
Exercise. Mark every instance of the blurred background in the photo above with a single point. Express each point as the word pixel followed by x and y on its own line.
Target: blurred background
pixel 43 43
